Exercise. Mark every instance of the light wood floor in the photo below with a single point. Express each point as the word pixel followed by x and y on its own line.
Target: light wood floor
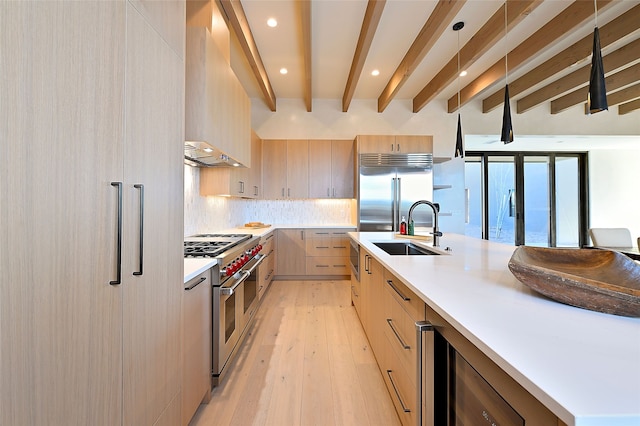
pixel 305 362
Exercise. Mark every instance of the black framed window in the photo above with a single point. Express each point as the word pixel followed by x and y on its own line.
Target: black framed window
pixel 532 198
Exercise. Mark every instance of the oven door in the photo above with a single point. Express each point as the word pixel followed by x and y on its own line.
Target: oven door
pixel 251 287
pixel 227 325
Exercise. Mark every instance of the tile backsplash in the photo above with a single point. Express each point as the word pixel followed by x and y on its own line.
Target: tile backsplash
pixel 209 214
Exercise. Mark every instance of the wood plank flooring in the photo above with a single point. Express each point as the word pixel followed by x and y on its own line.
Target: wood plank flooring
pixel 305 361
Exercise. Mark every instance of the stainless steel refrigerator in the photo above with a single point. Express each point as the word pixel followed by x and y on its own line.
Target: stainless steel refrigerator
pixel 388 184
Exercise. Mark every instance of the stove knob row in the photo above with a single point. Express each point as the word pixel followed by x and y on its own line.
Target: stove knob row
pixel 239 262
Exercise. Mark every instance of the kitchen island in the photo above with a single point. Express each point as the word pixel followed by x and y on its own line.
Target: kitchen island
pixel 584 366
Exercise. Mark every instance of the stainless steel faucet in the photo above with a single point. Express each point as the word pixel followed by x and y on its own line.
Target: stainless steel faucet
pixel 436 208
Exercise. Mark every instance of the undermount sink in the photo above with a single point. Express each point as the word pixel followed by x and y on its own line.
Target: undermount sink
pixel 405 249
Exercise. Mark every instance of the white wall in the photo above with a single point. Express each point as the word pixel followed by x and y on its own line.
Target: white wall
pixel 614 199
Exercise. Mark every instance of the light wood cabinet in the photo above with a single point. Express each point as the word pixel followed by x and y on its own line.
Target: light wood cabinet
pixel 331 169
pixel 196 334
pixel 389 144
pixel 327 251
pixel 291 256
pixel 285 173
pixel 218 110
pixel 255 171
pixel 401 309
pixel 76 349
pixel 267 268
pixel 245 182
pixel 371 301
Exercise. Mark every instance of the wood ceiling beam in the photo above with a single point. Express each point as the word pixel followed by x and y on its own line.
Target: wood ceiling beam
pixel 305 26
pixel 579 51
pixel 367 31
pixel 614 60
pixel 238 20
pixel 628 107
pixel 483 40
pixel 612 82
pixel 575 14
pixel 438 21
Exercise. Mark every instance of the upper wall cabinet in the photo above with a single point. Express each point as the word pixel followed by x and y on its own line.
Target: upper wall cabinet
pixel 217 109
pixel 331 169
pixel 235 181
pixel 285 172
pixel 389 144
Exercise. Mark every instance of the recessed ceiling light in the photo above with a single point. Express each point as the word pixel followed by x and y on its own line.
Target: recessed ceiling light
pixel 272 22
pixel 283 71
pixel 463 73
pixel 375 72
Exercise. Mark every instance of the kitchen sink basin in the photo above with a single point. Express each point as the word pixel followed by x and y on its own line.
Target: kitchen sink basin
pixel 404 249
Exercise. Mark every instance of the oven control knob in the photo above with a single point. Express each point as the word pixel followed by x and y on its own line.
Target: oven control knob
pixel 245 258
pixel 259 247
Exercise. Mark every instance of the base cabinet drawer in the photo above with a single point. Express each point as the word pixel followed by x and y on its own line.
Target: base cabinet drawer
pixel 400 386
pixel 330 265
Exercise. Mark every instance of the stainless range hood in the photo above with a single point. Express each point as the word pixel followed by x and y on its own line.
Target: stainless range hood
pixel 201 154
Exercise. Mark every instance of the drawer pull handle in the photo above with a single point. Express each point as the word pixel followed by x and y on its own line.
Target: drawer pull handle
pixel 404 408
pixel 324 247
pixel 191 287
pixel 322 266
pixel 340 247
pixel 339 266
pixel 405 298
pixel 402 343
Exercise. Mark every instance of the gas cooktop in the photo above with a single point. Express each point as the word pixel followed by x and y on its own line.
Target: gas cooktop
pixel 212 245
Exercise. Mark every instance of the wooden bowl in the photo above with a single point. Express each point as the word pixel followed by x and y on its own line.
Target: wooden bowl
pixel 599 280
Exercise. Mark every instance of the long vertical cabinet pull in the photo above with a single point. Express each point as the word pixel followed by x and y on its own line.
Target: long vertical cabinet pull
pixel 141 258
pixel 425 376
pixel 118 279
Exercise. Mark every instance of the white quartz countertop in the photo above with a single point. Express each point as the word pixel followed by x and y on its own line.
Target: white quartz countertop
pixel 262 231
pixel 583 365
pixel 195 266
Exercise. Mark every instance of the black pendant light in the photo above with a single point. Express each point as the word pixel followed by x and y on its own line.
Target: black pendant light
pixel 506 135
pixel 597 97
pixel 459 143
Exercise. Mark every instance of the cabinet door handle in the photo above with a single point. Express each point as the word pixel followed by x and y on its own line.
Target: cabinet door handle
pixel 255 190
pixel 334 193
pixel 405 298
pixel 241 187
pixel 402 343
pixel 391 147
pixel 191 287
pixel 328 192
pixel 118 279
pixel 289 192
pixel 141 229
pixel 282 192
pixel 395 388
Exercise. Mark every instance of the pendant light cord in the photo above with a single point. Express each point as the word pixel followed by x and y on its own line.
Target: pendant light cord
pixel 506 45
pixel 595 6
pixel 458 71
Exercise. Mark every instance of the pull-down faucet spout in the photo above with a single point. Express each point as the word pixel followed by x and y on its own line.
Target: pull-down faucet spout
pixel 436 208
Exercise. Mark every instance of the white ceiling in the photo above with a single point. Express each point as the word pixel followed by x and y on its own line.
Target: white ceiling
pixel 336 26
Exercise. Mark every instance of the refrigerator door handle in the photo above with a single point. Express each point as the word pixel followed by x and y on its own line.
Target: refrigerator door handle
pixel 396 219
pixel 394 203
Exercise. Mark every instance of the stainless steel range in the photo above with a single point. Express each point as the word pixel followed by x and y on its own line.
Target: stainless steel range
pixel 235 290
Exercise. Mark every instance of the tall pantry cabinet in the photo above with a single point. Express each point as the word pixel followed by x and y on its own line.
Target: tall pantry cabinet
pixel 92 95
